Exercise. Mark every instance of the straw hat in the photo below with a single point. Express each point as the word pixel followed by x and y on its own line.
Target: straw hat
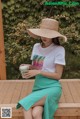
pixel 48 28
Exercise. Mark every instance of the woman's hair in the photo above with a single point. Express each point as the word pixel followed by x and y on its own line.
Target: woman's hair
pixel 56 41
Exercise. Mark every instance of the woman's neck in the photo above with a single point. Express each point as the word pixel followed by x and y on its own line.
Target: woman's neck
pixel 45 45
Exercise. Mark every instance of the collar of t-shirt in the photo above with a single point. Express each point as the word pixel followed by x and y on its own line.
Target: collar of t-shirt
pixel 47 50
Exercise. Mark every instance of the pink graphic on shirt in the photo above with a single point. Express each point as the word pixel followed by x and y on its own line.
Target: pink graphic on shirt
pixel 38 61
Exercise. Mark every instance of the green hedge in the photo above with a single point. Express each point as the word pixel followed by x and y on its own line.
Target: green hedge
pixel 21 14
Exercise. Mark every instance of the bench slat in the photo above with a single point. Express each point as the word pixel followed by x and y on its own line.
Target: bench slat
pixel 9 94
pixel 24 90
pixel 62 99
pixel 77 87
pixel 66 91
pixel 4 91
pixel 74 92
pixel 16 93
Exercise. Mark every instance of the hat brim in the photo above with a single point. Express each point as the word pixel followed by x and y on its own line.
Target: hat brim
pixel 36 33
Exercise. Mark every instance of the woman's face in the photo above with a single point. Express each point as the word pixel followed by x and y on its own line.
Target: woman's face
pixel 46 41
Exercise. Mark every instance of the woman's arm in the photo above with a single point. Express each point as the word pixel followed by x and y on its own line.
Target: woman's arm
pixel 56 75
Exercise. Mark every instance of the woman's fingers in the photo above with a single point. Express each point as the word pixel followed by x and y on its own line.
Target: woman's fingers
pixel 31 73
pixel 27 75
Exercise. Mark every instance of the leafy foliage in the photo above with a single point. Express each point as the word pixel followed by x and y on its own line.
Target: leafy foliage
pixel 21 14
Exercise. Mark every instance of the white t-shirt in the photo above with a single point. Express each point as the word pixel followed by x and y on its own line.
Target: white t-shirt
pixel 46 58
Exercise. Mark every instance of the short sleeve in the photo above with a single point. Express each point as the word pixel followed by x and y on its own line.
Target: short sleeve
pixel 60 56
pixel 32 53
pixel 34 50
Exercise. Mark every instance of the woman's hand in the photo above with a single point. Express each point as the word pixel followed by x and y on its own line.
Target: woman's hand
pixel 31 73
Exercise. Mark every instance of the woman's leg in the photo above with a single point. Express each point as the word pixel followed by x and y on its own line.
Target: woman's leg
pixel 38 106
pixel 37 112
pixel 37 109
pixel 40 102
pixel 28 114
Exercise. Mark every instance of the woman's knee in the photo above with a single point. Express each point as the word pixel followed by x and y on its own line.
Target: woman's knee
pixel 40 102
pixel 37 111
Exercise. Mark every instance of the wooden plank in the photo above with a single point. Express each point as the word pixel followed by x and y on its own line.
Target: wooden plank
pixel 1 86
pixel 69 105
pixel 77 86
pixel 55 117
pixel 9 94
pixel 61 105
pixel 73 91
pixel 2 52
pixel 32 80
pixel 18 112
pixel 21 117
pixel 29 88
pixel 66 91
pixel 69 80
pixel 4 91
pixel 61 117
pixel 62 99
pixel 0 70
pixel 24 90
pixel 17 80
pixel 13 105
pixel 73 117
pixel 68 112
pixel 60 112
pixel 16 93
pixel 18 117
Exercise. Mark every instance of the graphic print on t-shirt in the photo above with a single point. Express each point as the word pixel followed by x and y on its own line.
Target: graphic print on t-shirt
pixel 38 61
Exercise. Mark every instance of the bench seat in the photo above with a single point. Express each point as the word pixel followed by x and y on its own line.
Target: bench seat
pixel 69 105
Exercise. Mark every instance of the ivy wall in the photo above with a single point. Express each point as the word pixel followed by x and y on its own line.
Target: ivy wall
pixel 18 15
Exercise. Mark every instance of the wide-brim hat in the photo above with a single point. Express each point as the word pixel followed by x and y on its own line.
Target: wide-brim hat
pixel 48 28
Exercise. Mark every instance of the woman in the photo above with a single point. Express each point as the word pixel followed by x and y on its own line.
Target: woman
pixel 48 60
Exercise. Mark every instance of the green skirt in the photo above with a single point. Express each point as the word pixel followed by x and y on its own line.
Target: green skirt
pixel 43 86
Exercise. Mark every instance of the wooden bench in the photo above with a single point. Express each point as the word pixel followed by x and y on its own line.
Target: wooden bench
pixel 13 90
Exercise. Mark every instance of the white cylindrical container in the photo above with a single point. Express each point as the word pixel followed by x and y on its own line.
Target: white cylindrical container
pixel 23 69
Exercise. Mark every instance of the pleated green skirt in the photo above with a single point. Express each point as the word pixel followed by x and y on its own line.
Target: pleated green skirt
pixel 43 86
